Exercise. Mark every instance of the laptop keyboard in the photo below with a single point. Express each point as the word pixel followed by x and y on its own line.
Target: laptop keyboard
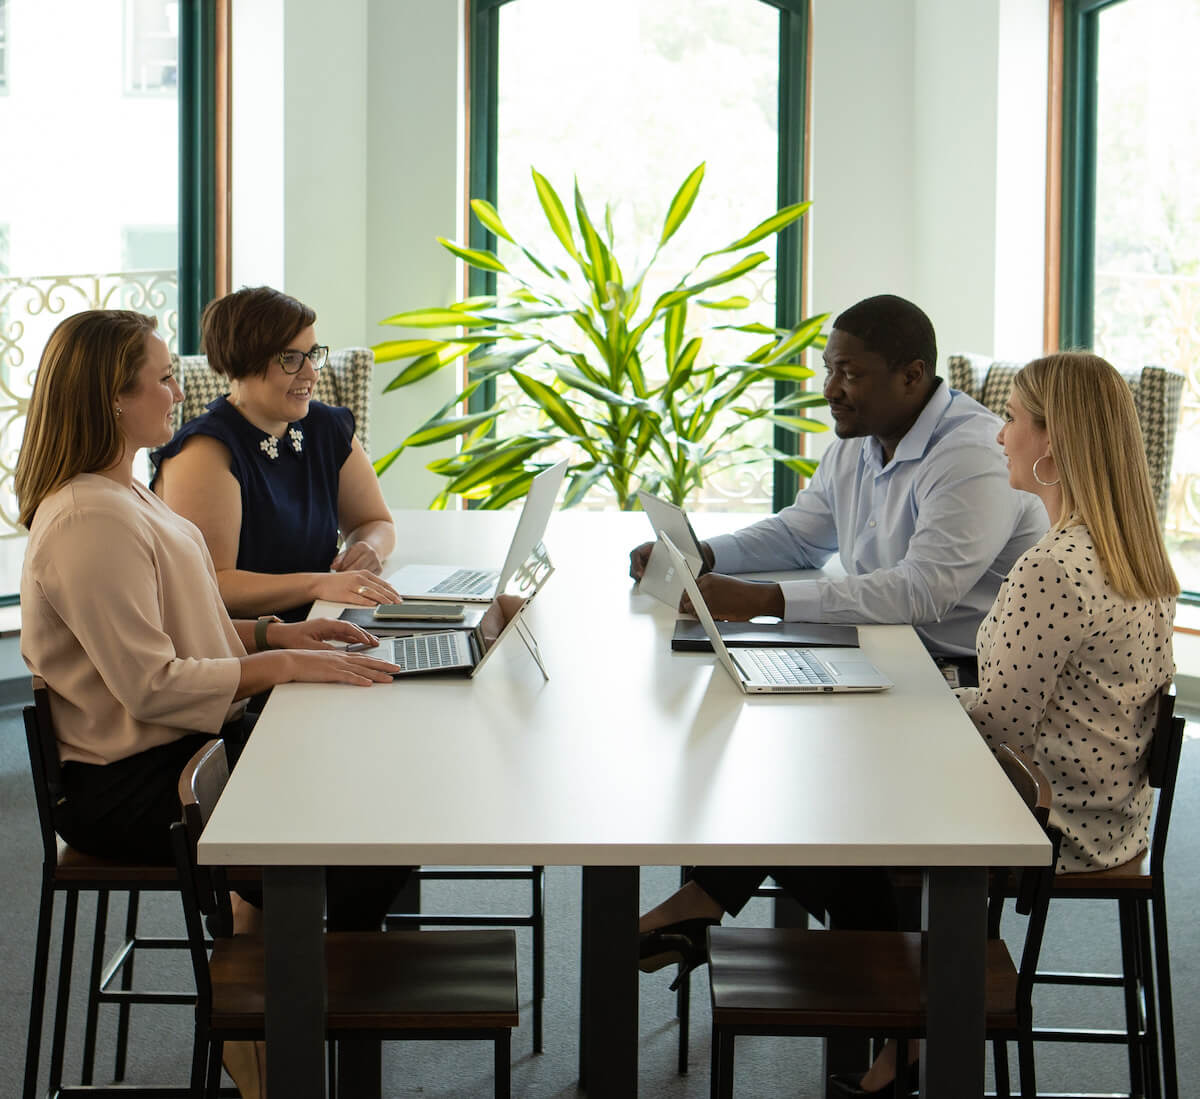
pixel 425 652
pixel 467 582
pixel 785 667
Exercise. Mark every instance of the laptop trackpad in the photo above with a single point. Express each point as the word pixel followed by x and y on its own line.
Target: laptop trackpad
pixel 852 669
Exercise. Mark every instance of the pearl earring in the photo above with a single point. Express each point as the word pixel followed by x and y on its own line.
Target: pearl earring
pixel 120 411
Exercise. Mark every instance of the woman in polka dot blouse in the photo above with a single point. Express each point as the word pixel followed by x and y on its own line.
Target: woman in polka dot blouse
pixel 1078 642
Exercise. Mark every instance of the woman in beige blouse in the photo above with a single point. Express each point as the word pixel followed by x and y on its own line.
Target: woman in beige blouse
pixel 1078 643
pixel 121 614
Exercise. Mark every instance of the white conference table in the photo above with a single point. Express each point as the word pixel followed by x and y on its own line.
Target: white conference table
pixel 629 756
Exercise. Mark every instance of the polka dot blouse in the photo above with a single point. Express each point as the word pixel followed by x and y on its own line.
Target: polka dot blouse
pixel 1068 671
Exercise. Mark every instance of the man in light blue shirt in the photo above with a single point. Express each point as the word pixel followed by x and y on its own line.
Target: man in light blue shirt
pixel 913 497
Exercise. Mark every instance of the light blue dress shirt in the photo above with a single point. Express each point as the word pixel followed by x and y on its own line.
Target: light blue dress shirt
pixel 926 539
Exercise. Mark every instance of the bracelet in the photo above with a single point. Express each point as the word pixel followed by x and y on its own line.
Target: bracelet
pixel 261 644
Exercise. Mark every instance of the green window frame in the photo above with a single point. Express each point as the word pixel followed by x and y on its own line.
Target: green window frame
pixel 197 167
pixel 1081 39
pixel 483 28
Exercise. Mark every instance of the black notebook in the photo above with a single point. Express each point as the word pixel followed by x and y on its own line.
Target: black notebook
pixel 689 636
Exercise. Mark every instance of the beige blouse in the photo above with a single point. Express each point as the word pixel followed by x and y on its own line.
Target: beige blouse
pixel 1068 671
pixel 121 615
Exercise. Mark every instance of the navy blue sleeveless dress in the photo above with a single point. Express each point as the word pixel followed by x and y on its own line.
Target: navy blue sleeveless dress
pixel 289 486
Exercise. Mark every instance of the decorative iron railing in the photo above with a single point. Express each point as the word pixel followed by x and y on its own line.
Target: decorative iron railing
pixel 1151 319
pixel 30 307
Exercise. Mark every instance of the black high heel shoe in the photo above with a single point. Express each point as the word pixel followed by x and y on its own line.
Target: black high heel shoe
pixel 681 943
pixel 849 1085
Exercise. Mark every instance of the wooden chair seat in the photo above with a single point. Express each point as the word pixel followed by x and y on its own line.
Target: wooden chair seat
pixel 402 980
pixel 1133 875
pixel 857 980
pixel 75 866
pixel 795 982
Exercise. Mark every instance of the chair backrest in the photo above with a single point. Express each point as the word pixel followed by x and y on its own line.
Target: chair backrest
pixel 44 765
pixel 1035 884
pixel 204 889
pixel 1157 394
pixel 345 381
pixel 1163 768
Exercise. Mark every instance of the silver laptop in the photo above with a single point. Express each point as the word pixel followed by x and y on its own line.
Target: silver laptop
pixel 782 670
pixel 478 584
pixel 456 652
pixel 661 578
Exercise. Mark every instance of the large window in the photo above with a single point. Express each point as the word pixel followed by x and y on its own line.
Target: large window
pixel 627 97
pixel 1131 206
pixel 109 212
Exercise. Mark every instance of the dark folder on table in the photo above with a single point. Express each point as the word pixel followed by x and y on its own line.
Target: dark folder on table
pixel 398 627
pixel 689 636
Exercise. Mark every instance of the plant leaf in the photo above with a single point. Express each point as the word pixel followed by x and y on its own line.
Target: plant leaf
pixel 738 301
pixel 487 216
pixel 552 404
pixel 681 204
pixel 390 350
pixel 381 465
pixel 476 257
pixel 802 336
pixel 776 222
pixel 596 252
pixel 491 468
pixel 799 424
pixel 673 332
pixel 438 431
pixel 427 364
pixel 435 318
pixel 556 215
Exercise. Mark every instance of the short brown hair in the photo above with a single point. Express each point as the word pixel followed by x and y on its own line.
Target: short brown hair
pixel 71 428
pixel 242 331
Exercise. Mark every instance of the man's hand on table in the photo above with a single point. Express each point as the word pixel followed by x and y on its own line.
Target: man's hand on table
pixel 641 555
pixel 735 600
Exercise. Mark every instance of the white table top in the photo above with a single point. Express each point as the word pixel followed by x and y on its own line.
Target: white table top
pixel 630 755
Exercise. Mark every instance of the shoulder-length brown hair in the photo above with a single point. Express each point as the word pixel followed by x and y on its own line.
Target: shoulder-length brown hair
pixel 1087 409
pixel 241 332
pixel 71 427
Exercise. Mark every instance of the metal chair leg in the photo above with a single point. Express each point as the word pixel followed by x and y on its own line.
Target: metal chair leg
pixel 503 1065
pixel 1166 1010
pixel 95 975
pixel 64 993
pixel 1127 918
pixel 1148 1045
pixel 131 917
pixel 1000 1064
pixel 538 912
pixel 37 996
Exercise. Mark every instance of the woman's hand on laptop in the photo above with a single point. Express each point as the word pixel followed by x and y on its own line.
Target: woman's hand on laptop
pixel 358 587
pixel 734 600
pixel 316 633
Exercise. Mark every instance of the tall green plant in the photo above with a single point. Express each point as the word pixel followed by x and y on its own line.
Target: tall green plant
pixel 595 387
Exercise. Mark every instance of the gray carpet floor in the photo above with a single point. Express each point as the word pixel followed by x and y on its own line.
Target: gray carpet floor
pixel 1081 935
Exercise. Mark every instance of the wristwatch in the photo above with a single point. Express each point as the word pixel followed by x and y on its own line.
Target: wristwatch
pixel 261 644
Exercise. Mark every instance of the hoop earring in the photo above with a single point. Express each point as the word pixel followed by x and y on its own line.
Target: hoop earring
pixel 1046 484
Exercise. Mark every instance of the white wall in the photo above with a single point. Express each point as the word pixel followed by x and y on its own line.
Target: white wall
pixel 928 170
pixel 345 171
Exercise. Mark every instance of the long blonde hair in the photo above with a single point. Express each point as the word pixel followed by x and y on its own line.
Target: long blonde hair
pixel 1087 409
pixel 71 428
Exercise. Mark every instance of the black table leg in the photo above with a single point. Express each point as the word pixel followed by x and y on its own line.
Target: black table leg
pixel 954 912
pixel 293 910
pixel 608 1039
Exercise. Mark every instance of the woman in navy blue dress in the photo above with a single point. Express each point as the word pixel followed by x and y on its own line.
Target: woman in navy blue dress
pixel 273 478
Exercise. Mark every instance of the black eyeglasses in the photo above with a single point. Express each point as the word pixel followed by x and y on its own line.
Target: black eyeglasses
pixel 291 360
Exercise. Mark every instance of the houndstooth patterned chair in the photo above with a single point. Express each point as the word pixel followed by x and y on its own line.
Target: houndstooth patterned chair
pixel 345 381
pixel 1156 395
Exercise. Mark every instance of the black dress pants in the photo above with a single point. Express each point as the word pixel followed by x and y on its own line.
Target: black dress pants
pixel 854 900
pixel 125 810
